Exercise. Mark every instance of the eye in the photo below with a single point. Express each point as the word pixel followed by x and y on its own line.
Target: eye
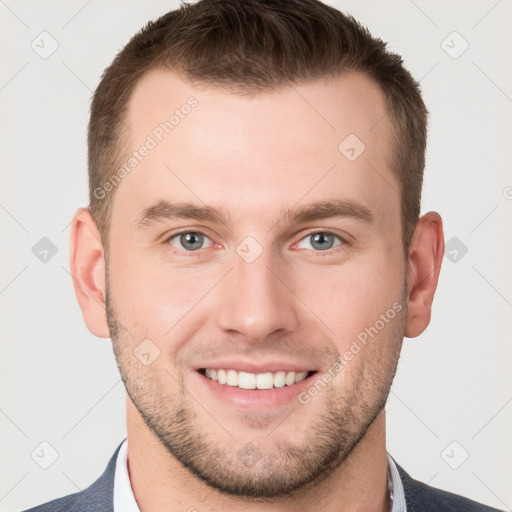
pixel 189 240
pixel 320 241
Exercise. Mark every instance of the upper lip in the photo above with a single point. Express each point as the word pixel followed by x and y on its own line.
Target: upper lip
pixel 251 367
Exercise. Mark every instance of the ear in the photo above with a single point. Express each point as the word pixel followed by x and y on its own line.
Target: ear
pixel 87 264
pixel 425 257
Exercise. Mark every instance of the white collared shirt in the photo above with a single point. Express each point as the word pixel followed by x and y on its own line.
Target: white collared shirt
pixel 398 489
pixel 124 500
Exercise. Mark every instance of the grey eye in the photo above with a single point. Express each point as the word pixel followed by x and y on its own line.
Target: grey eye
pixel 192 241
pixel 189 240
pixel 320 241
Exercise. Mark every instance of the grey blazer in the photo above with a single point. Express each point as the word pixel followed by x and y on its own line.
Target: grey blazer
pixel 99 496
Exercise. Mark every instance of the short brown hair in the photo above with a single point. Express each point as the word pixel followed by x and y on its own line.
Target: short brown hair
pixel 256 46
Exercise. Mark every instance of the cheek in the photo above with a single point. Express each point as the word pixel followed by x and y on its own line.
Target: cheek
pixel 351 298
pixel 154 297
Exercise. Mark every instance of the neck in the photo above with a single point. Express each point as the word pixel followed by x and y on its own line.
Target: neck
pixel 160 483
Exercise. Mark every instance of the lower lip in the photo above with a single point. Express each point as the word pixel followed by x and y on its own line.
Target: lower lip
pixel 257 398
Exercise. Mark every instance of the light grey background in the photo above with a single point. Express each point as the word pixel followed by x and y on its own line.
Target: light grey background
pixel 60 384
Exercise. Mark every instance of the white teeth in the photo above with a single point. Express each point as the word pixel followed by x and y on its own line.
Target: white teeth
pixel 300 376
pixel 247 380
pixel 290 378
pixel 279 379
pixel 232 378
pixel 265 380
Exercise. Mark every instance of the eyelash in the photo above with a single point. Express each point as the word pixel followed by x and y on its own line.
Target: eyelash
pixel 188 254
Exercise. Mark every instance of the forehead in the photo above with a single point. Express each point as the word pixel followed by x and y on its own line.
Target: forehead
pixel 325 107
pixel 327 138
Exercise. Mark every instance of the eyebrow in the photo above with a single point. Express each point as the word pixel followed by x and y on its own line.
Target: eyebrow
pixel 166 210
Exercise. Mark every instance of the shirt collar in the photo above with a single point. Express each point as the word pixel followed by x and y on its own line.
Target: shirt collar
pixel 397 493
pixel 124 500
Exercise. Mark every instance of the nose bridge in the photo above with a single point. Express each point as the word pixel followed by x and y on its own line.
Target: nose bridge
pixel 253 299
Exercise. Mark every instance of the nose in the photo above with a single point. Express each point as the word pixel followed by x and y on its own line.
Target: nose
pixel 256 300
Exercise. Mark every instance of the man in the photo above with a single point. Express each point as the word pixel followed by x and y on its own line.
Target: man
pixel 254 249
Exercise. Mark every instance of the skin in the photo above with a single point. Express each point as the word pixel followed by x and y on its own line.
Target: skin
pixel 256 157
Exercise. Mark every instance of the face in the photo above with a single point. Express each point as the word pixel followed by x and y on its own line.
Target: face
pixel 256 276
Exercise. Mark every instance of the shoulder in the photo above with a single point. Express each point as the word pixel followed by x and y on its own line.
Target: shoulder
pixel 421 497
pixel 98 496
pixel 61 504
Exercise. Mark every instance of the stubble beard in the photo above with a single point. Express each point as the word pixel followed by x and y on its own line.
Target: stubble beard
pixel 242 468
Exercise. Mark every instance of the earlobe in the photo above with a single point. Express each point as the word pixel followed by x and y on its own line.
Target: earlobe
pixel 87 264
pixel 425 257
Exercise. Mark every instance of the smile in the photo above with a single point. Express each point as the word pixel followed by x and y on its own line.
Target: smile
pixel 246 380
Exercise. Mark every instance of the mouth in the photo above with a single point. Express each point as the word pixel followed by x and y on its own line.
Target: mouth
pixel 255 385
pixel 255 381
